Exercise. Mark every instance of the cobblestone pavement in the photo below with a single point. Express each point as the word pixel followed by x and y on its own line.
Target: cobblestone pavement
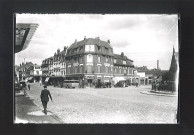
pixel 110 105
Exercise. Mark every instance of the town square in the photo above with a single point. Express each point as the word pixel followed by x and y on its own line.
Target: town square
pixel 76 70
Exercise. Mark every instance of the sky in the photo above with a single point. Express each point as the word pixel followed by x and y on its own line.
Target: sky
pixel 144 38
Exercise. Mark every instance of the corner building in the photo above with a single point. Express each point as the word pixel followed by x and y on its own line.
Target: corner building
pixel 90 60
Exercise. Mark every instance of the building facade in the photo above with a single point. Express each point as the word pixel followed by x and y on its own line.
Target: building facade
pixel 90 60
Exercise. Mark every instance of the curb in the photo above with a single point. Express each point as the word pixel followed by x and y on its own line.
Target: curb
pixel 54 115
pixel 158 94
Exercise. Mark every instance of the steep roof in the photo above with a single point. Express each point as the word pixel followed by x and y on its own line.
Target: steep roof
pixel 101 47
pixel 117 56
pixel 119 60
pixel 90 41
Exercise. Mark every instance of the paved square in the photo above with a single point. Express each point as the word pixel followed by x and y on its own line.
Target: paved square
pixel 109 105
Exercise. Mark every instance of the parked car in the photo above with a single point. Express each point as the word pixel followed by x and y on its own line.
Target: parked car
pixel 17 87
pixel 22 84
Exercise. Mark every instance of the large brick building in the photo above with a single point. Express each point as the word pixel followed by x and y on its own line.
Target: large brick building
pixel 90 60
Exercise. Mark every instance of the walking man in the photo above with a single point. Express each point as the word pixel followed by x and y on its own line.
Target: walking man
pixel 45 94
pixel 29 87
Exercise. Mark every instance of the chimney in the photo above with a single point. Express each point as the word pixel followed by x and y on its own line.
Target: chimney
pixel 65 48
pixel 98 38
pixel 108 41
pixel 58 51
pixel 158 64
pixel 122 54
pixel 76 40
pixel 84 38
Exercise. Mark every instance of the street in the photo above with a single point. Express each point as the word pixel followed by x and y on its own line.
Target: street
pixel 108 105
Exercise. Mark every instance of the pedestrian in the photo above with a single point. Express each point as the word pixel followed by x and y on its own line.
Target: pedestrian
pixel 25 89
pixel 45 94
pixel 29 87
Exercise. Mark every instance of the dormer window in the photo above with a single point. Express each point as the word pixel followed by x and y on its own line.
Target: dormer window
pixel 124 62
pixel 99 48
pixel 89 48
pixel 115 60
pixel 81 48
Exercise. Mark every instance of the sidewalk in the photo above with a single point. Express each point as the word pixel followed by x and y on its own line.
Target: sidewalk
pixel 27 112
pixel 160 93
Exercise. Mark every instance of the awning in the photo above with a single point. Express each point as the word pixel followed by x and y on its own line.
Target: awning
pixel 118 79
pixel 46 80
pixel 30 78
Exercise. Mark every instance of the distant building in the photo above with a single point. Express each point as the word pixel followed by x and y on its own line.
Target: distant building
pixel 36 73
pixel 59 63
pixel 123 68
pixel 150 74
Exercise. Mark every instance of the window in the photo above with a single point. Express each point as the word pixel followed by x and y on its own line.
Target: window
pixel 99 48
pixel 81 59
pixel 89 48
pixel 81 48
pixel 75 69
pixel 106 69
pixel 106 59
pixel 115 60
pixel 130 71
pixel 111 69
pixel 81 69
pixel 89 58
pixel 124 62
pixel 89 69
pixel 106 49
pixel 120 70
pixel 115 70
pixel 68 70
pixel 124 71
pixel 99 60
pixel 99 69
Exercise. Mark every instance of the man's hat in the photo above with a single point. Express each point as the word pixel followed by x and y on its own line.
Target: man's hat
pixel 45 86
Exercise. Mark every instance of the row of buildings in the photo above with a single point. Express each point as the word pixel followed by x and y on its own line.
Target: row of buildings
pixel 90 60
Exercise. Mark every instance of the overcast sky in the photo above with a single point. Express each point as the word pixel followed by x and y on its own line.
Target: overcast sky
pixel 143 38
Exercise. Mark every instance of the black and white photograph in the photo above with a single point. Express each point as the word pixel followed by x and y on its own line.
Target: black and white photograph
pixel 96 68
